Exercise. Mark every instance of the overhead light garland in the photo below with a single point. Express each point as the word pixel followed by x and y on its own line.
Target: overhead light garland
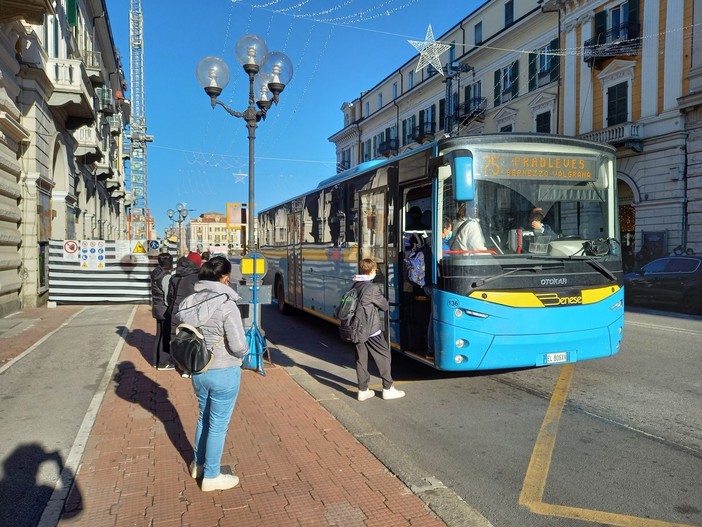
pixel 429 51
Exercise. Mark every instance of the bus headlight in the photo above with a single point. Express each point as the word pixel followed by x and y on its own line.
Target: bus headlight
pixel 458 313
pixel 460 358
pixel 460 343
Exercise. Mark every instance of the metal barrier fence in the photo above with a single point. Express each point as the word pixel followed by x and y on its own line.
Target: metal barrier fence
pixel 97 271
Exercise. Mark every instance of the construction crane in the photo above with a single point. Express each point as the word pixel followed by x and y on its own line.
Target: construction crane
pixel 137 173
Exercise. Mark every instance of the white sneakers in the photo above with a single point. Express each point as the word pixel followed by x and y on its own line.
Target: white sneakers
pixel 389 393
pixel 196 471
pixel 364 395
pixel 221 482
pixel 392 393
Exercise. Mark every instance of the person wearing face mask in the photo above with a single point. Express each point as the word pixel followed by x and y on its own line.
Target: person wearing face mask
pixel 213 309
pixel 446 234
pixel 373 342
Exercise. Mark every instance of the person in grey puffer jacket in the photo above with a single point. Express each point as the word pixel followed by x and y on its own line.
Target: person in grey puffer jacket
pixel 212 308
pixel 370 300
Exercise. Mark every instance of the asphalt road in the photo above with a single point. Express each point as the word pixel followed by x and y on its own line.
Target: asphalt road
pixel 615 441
pixel 49 398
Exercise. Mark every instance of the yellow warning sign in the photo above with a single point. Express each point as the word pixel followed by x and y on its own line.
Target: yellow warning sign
pixel 139 248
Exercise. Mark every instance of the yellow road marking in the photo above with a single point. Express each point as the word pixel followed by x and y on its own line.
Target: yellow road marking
pixel 532 492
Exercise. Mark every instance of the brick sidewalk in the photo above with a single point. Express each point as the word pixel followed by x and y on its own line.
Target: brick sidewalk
pixel 297 464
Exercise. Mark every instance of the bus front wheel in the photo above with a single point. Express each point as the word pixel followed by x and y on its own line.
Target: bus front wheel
pixel 283 308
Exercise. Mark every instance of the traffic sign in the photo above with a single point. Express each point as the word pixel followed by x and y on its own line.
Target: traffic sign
pixel 254 263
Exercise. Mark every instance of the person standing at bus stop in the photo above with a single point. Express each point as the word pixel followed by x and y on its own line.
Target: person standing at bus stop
pixel 160 278
pixel 373 342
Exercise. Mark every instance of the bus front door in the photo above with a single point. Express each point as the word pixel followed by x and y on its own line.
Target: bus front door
pixel 294 295
pixel 373 234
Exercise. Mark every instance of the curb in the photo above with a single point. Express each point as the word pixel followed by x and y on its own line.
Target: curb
pixel 445 503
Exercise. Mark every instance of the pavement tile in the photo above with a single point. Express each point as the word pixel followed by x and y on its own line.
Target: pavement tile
pixel 298 465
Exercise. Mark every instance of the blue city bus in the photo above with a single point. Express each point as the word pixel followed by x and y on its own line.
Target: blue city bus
pixel 526 298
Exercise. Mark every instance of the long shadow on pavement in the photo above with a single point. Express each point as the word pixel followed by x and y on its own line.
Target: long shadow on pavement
pixel 137 388
pixel 23 493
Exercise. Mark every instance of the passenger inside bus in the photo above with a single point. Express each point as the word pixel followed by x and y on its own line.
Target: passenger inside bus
pixel 415 222
pixel 446 234
pixel 468 236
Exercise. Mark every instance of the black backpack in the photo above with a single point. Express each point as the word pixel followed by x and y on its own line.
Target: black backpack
pixel 189 350
pixel 351 317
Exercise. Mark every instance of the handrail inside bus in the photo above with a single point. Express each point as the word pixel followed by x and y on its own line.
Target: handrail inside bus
pixel 467 251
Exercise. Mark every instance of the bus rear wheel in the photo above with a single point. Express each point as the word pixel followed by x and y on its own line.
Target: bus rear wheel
pixel 283 307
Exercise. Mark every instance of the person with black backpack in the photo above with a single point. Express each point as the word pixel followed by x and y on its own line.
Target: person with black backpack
pixel 213 310
pixel 182 284
pixel 371 339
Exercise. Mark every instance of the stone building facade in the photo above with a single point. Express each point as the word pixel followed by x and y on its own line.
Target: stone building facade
pixel 62 116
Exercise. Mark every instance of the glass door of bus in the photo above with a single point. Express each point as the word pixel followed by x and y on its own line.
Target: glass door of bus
pixel 294 296
pixel 373 233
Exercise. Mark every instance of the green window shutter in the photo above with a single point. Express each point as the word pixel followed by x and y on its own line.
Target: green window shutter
pixel 601 27
pixel 497 88
pixel 555 60
pixel 532 71
pixel 515 79
pixel 633 19
pixel 71 13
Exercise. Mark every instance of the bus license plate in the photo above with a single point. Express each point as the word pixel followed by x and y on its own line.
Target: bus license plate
pixel 554 358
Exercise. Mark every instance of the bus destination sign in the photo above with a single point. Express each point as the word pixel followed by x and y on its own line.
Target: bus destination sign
pixel 515 165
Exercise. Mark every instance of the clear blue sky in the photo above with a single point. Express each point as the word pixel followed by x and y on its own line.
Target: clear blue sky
pixel 197 151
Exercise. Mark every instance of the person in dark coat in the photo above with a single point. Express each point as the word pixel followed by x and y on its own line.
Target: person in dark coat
pixel 160 277
pixel 370 301
pixel 182 284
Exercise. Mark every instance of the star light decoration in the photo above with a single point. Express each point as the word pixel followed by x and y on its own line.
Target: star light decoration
pixel 429 51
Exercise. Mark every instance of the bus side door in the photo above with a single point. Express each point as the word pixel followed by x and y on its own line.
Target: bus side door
pixel 373 235
pixel 294 294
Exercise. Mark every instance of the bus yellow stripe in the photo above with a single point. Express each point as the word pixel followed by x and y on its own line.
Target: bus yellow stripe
pixel 529 299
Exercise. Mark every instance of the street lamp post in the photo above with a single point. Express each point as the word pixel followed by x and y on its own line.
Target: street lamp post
pixel 268 72
pixel 179 216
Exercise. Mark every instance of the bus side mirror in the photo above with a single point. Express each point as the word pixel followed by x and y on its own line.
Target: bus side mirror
pixel 461 163
pixel 462 169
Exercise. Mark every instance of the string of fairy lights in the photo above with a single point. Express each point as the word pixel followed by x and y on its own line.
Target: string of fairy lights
pixel 308 59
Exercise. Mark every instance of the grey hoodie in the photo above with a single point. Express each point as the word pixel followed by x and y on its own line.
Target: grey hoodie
pixel 212 308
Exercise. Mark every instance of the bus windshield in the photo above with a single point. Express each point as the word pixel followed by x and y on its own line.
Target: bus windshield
pixel 528 216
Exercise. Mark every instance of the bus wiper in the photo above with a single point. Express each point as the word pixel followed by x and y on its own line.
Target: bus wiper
pixel 483 281
pixel 597 265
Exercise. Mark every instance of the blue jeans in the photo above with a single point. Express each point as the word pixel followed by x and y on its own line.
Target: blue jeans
pixel 216 391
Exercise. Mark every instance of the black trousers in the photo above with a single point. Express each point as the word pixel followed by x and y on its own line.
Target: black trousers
pixel 378 347
pixel 162 344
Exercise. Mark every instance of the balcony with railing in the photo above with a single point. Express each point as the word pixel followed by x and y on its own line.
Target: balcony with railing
pixel 104 167
pixel 106 103
pixel 88 144
pixel 93 65
pixel 115 122
pixel 423 133
pixel 389 147
pixel 71 91
pixel 629 135
pixel 620 41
